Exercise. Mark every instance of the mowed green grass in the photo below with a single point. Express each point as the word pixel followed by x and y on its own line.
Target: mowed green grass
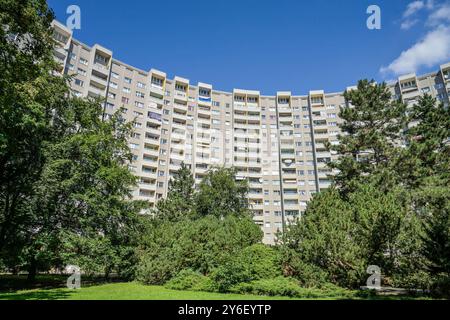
pixel 124 291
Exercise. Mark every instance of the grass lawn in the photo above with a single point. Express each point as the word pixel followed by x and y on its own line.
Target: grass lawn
pixel 53 288
pixel 123 291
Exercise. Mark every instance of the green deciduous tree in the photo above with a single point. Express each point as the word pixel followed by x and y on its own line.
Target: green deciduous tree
pixel 220 194
pixel 29 94
pixel 63 172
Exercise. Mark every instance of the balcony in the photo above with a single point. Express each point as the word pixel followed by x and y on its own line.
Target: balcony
pixel 100 68
pixel 154 130
pixel 446 75
pixel 317 101
pixel 96 92
pixel 151 152
pixel 180 96
pixel 206 101
pixel 147 186
pixel 157 90
pixel 180 107
pixel 178 135
pixel 411 95
pixel 99 81
pixel 204 121
pixel 177 156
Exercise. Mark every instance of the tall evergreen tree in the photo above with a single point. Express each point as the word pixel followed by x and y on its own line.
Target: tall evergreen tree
pixel 371 132
pixel 180 199
pixel 428 145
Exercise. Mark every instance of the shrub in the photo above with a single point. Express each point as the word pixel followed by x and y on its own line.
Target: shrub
pixel 280 286
pixel 201 245
pixel 189 280
pixel 262 262
pixel 289 287
pixel 308 275
pixel 229 274
pixel 252 263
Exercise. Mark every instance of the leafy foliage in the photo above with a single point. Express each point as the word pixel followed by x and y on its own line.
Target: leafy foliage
pixel 201 245
pixel 180 200
pixel 190 280
pixel 220 194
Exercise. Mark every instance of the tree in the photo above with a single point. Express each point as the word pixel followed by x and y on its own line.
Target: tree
pixel 84 191
pixel 324 241
pixel 29 94
pixel 63 171
pixel 200 244
pixel 428 148
pixel 371 133
pixel 180 199
pixel 432 201
pixel 220 194
pixel 341 236
pixel 387 230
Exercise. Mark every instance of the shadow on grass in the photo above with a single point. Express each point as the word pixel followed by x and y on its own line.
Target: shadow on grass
pixel 46 287
pixel 56 294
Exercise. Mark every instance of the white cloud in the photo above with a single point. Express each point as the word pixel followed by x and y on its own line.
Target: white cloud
pixel 413 7
pixel 412 10
pixel 408 24
pixel 441 15
pixel 433 49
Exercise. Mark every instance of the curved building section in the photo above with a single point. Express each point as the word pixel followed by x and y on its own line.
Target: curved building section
pixel 276 142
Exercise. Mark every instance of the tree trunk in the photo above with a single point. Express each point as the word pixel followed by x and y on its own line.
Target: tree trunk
pixel 32 270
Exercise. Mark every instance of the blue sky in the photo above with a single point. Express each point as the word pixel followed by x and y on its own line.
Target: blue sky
pixel 269 45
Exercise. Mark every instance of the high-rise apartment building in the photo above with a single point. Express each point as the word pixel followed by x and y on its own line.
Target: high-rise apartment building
pixel 276 142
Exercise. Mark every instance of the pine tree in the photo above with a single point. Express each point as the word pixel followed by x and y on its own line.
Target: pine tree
pixel 180 199
pixel 371 134
pixel 428 145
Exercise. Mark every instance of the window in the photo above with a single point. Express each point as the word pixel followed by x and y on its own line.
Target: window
pixel 157 82
pixel 125 100
pixel 113 85
pixel 111 95
pixel 408 84
pixel 126 90
pixel 79 82
pixel 140 85
pixel 84 61
pixel 140 94
pixel 114 75
pixel 81 71
pixel 101 59
pixel 127 80
pixel 180 87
